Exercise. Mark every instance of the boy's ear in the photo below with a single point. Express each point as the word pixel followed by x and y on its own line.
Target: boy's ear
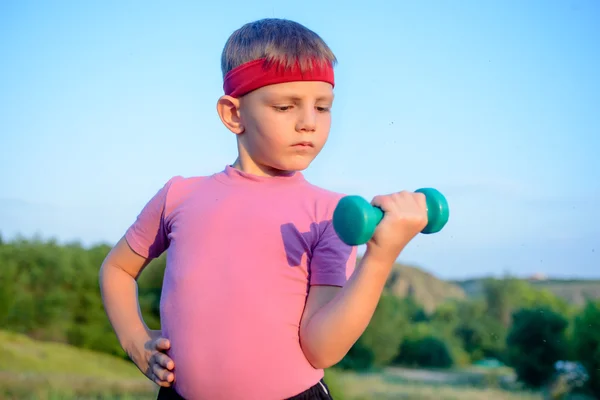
pixel 229 111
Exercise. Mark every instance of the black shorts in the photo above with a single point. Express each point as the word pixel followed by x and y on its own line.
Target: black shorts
pixel 320 391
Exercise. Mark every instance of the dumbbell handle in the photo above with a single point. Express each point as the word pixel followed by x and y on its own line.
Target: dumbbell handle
pixel 355 219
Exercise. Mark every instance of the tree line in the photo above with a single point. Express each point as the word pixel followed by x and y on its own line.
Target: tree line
pixel 50 291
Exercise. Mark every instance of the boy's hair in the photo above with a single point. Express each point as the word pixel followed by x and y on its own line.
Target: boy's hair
pixel 278 40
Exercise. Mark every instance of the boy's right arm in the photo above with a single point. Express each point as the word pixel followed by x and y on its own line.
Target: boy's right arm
pixel 118 286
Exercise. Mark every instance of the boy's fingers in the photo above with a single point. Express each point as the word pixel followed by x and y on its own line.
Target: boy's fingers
pixel 162 376
pixel 162 344
pixel 164 360
pixel 383 202
pixel 161 382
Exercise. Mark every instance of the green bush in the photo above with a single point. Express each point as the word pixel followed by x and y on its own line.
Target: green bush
pixel 378 345
pixel 586 343
pixel 428 351
pixel 359 358
pixel 535 342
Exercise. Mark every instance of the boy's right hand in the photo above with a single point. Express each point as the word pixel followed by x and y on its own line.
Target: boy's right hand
pixel 405 215
pixel 149 354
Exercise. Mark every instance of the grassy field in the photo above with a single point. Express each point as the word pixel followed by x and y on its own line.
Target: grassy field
pixel 393 385
pixel 31 369
pixel 36 370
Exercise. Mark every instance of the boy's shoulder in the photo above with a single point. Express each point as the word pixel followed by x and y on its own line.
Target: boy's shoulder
pixel 179 187
pixel 324 192
pixel 181 182
pixel 327 198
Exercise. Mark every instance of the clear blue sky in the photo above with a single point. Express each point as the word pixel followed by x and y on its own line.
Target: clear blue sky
pixel 496 104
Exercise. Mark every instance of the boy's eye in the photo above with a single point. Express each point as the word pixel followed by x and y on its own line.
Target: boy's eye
pixel 286 108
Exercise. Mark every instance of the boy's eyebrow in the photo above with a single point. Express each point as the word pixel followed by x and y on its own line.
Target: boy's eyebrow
pixel 327 97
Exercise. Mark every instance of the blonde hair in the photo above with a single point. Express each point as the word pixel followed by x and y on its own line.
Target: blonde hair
pixel 278 40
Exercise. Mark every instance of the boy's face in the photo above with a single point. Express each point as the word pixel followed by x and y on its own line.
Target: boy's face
pixel 283 127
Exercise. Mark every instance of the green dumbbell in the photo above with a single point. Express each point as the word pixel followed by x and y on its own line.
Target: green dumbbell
pixel 355 219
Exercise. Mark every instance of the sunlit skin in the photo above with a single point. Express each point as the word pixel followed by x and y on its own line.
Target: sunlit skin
pixel 281 128
pixel 270 123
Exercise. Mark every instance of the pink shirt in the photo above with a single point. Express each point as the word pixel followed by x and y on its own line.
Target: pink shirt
pixel 242 252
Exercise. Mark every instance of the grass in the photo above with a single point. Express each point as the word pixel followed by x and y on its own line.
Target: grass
pixel 376 387
pixel 471 383
pixel 22 354
pixel 31 369
pixel 401 384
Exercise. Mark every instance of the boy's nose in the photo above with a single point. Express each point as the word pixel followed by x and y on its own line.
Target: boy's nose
pixel 307 121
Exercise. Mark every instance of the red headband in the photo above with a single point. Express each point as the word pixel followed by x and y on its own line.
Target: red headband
pixel 258 73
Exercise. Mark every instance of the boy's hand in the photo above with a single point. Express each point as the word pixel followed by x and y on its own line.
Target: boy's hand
pixel 149 354
pixel 405 215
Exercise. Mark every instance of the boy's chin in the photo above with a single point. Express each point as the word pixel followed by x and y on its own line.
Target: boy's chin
pixel 293 165
pixel 298 164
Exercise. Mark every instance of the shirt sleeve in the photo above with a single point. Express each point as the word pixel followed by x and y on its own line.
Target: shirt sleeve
pixel 332 261
pixel 148 235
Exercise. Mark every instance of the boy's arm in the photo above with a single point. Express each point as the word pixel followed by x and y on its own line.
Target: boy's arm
pixel 146 239
pixel 335 317
pixel 118 287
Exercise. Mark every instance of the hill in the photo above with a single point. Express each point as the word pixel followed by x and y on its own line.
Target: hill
pixel 575 291
pixel 422 286
pixel 429 291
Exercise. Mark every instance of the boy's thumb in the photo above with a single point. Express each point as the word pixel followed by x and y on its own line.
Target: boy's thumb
pixel 162 344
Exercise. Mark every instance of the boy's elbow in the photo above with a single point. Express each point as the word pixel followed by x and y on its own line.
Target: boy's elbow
pixel 322 351
pixel 322 358
pixel 324 362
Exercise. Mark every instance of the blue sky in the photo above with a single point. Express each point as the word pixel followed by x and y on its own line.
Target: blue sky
pixel 496 104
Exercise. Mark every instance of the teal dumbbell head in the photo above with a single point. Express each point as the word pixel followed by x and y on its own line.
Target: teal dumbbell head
pixel 355 219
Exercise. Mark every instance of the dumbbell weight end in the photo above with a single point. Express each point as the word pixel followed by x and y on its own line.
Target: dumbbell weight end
pixel 355 219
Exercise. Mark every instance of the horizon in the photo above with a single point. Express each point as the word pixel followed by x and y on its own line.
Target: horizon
pixel 494 105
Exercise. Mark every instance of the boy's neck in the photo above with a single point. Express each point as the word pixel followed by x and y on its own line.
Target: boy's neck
pixel 250 167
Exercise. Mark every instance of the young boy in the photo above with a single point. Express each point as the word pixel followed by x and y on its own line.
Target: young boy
pixel 260 294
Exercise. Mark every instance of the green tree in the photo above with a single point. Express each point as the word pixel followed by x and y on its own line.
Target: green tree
pixel 379 343
pixel 50 291
pixel 480 334
pixel 446 316
pixel 586 343
pixel 482 338
pixel 535 342
pixel 502 297
pixel 424 346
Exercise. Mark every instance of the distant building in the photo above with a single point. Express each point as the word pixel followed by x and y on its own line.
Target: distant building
pixel 538 277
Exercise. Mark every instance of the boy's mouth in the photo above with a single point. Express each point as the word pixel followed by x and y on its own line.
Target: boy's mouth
pixel 303 144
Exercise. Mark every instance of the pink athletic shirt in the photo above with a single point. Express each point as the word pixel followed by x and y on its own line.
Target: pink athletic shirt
pixel 242 253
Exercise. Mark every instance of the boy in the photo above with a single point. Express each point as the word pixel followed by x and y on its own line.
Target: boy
pixel 259 295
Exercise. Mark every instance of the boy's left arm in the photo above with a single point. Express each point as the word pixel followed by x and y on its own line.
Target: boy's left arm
pixel 335 317
pixel 337 312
